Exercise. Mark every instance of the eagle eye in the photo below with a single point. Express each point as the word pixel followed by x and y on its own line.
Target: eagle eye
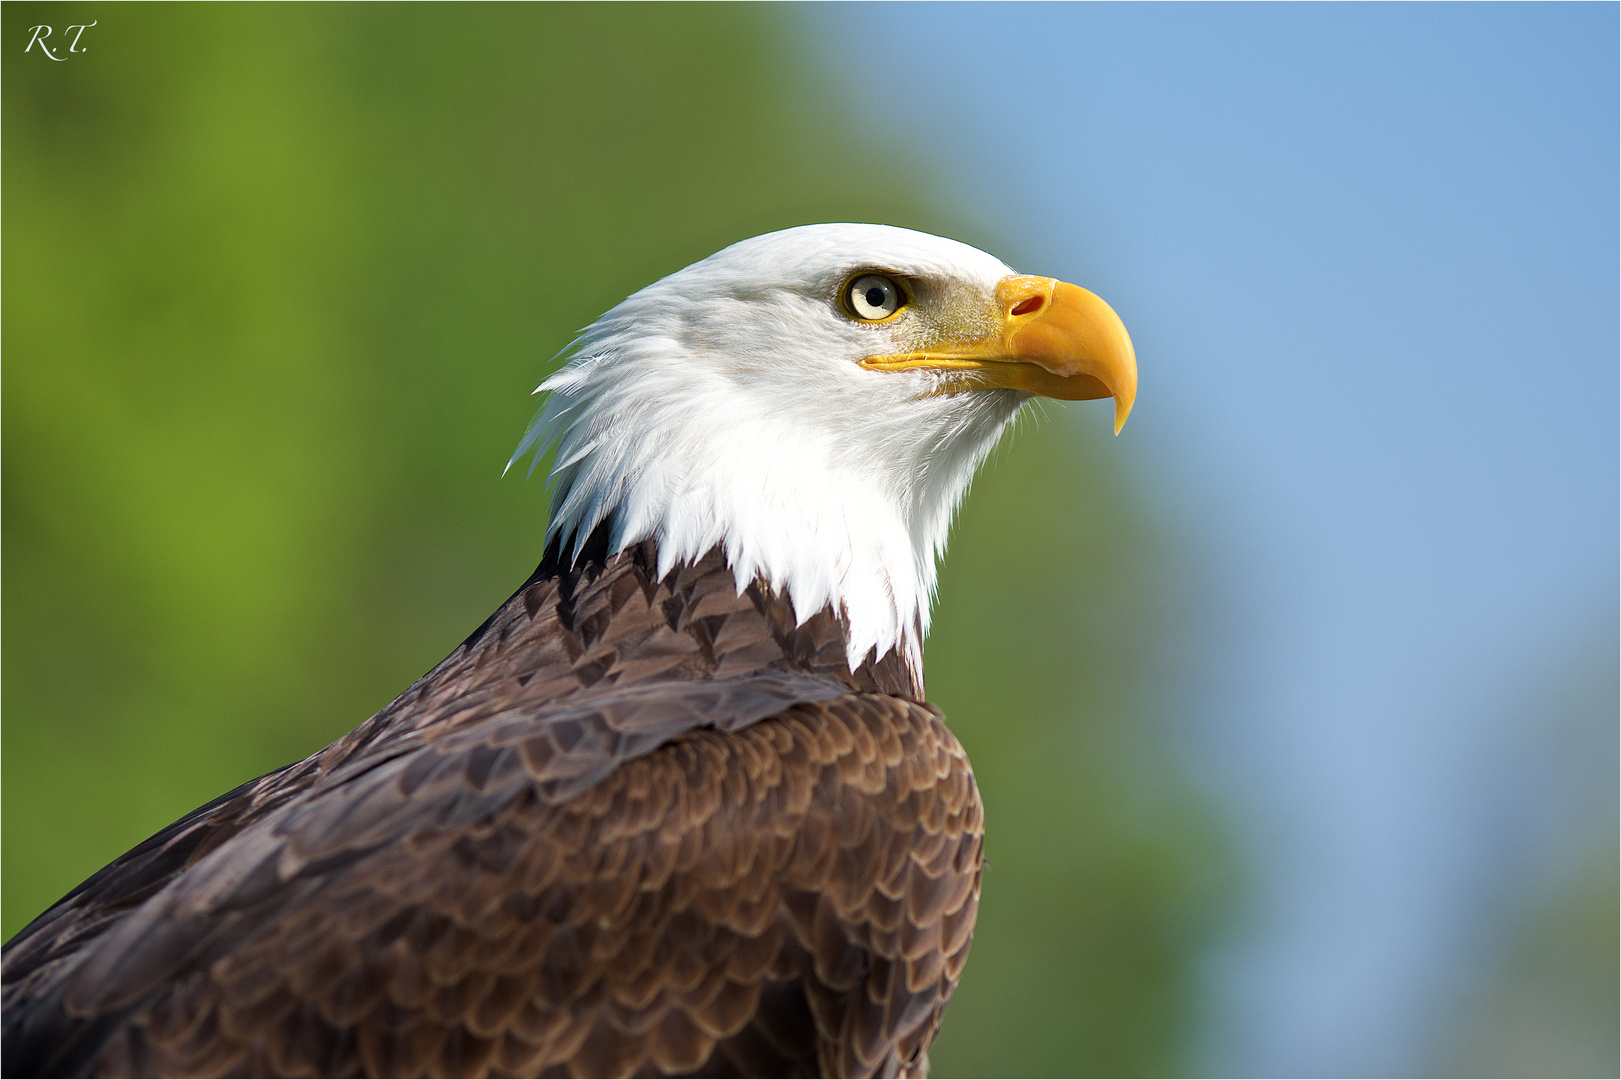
pixel 873 297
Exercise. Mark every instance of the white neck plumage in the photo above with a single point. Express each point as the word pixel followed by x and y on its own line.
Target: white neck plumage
pixel 828 515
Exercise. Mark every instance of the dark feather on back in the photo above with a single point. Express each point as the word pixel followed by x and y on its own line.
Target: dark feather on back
pixel 629 827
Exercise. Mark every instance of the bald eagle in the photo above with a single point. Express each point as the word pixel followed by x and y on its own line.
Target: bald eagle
pixel 679 806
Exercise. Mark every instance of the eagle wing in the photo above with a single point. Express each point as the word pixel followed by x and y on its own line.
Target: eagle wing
pixel 767 873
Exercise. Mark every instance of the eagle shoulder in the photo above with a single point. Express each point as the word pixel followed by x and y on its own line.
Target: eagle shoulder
pixel 629 826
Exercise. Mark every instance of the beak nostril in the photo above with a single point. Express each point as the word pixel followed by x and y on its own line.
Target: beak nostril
pixel 1025 307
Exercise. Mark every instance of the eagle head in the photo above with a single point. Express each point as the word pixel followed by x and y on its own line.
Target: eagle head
pixel 814 402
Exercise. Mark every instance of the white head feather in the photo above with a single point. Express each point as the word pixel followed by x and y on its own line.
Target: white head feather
pixel 725 406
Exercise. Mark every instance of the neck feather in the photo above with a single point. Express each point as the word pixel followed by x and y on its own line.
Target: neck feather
pixel 757 629
pixel 841 517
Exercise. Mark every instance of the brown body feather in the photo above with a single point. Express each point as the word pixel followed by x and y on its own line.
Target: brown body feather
pixel 630 827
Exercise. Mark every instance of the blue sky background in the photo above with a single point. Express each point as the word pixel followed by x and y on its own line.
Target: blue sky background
pixel 1368 258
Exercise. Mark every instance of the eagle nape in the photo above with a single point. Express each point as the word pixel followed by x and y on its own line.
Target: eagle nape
pixel 680 806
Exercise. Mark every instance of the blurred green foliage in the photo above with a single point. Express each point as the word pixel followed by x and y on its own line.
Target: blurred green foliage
pixel 1547 1004
pixel 1541 997
pixel 1104 874
pixel 279 278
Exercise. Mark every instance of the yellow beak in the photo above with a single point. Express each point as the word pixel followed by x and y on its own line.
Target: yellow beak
pixel 1055 339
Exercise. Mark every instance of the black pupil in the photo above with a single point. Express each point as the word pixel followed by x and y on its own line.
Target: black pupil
pixel 875 296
